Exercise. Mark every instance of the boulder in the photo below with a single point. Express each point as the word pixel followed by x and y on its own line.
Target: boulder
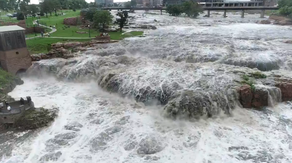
pixel 245 96
pixel 260 98
pixel 264 22
pixel 280 20
pixel 150 144
pixel 35 118
pixel 68 45
pixel 71 21
pixel 286 90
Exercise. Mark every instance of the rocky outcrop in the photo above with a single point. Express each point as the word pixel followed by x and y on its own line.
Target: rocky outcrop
pixel 280 20
pixel 66 50
pixel 245 96
pixel 36 118
pixel 264 22
pixel 72 21
pixel 286 89
pixel 5 89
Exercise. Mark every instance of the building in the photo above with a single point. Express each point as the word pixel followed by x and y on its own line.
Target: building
pixel 14 56
pixel 100 2
pixel 104 2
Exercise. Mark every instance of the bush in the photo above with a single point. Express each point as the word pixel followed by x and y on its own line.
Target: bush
pixel 174 10
pixel 190 8
pixel 286 11
pixel 20 16
pixel 283 3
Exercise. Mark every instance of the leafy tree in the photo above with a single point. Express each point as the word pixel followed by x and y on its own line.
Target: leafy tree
pixel 90 14
pixel 286 11
pixel 101 19
pixel 174 10
pixel 47 7
pixel 191 9
pixel 23 8
pixel 20 16
pixel 33 9
pixel 283 3
pixel 123 19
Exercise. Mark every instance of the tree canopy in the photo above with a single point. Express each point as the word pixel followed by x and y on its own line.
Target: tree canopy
pixel 189 8
pixel 101 19
pixel 285 8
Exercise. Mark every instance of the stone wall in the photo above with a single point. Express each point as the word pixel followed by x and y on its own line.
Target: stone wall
pixel 16 60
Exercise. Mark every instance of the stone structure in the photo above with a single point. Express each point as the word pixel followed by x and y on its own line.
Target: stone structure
pixel 14 56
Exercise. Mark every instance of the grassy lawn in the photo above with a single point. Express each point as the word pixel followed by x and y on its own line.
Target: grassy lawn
pixel 72 30
pixel 40 45
pixel 5 78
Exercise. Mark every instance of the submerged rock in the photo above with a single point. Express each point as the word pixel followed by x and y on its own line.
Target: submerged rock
pixel 150 144
pixel 51 157
pixel 191 104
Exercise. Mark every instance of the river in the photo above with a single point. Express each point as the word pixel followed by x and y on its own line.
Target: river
pixel 124 121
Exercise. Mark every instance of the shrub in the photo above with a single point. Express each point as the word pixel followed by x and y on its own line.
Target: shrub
pixel 20 16
pixel 286 11
pixel 174 10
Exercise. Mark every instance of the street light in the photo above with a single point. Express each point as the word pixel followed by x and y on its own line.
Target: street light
pixel 89 30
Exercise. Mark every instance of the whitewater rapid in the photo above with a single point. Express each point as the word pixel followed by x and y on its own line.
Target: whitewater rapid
pixel 94 125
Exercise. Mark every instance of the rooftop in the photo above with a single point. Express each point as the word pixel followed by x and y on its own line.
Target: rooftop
pixel 11 28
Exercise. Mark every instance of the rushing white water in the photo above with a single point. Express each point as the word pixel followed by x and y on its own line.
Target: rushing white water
pixel 96 126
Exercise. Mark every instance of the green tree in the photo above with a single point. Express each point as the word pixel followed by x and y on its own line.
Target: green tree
pixel 33 9
pixel 283 3
pixel 47 7
pixel 191 9
pixel 89 15
pixel 286 11
pixel 123 19
pixel 101 19
pixel 174 10
pixel 23 8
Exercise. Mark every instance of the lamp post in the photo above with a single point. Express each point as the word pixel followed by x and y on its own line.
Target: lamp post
pixel 89 30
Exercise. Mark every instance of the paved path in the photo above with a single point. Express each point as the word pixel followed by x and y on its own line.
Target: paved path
pixel 52 30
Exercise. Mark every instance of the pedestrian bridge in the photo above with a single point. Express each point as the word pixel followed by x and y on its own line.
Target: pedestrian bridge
pixel 235 7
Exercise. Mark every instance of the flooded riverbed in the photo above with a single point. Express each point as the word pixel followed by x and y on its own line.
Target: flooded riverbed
pixel 112 98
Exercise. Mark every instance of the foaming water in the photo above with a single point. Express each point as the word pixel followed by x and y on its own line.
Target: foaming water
pixel 204 57
pixel 94 126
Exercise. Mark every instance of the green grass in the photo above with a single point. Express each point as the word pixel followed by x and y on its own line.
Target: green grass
pixel 40 45
pixel 72 31
pixel 258 75
pixel 248 81
pixel 5 78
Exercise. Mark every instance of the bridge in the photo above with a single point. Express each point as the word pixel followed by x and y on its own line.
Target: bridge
pixel 234 7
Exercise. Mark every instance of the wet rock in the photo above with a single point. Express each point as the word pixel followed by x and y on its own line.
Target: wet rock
pixel 97 121
pixel 36 118
pixel 245 96
pixel 260 98
pixel 130 146
pixel 123 120
pixel 60 140
pixel 236 148
pixel 280 20
pixel 75 126
pixel 190 104
pixel 113 130
pixel 51 157
pixel 66 136
pixel 100 142
pixel 286 90
pixel 150 144
pixel 152 158
pixel 264 22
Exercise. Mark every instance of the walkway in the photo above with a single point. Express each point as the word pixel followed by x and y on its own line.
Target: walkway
pixel 35 23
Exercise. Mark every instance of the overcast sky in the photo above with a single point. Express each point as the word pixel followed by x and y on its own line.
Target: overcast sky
pixel 37 1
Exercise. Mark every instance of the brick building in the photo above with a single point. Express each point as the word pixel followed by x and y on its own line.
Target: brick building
pixel 14 56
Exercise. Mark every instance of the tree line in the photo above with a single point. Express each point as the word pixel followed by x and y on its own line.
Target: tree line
pixel 23 8
pixel 285 8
